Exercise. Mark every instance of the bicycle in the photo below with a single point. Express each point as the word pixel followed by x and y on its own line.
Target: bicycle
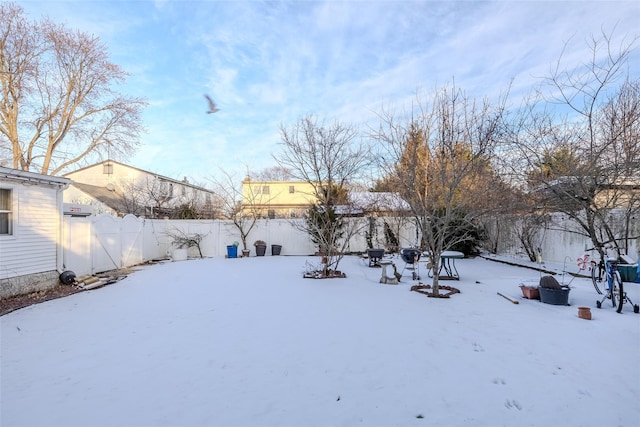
pixel 607 272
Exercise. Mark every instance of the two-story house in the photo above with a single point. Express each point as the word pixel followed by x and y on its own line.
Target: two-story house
pixel 291 199
pixel 277 199
pixel 116 188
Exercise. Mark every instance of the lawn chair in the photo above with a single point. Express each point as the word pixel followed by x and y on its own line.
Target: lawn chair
pixel 410 256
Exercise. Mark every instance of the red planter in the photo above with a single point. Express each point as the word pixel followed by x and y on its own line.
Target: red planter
pixel 530 292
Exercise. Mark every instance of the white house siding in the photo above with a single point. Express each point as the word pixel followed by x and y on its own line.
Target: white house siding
pixel 120 174
pixel 29 257
pixel 123 177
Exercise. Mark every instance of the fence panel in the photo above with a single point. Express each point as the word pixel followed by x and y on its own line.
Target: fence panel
pixel 107 243
pixel 132 235
pixel 101 243
pixel 76 255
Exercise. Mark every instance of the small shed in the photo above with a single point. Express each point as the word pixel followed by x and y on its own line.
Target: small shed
pixel 31 221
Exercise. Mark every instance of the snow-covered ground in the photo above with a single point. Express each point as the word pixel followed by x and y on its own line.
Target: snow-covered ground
pixel 249 342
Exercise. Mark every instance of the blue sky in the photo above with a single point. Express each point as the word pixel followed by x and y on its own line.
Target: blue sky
pixel 268 63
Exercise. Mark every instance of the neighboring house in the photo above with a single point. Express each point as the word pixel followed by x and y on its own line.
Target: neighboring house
pixel 119 189
pixel 621 192
pixel 31 223
pixel 291 199
pixel 277 199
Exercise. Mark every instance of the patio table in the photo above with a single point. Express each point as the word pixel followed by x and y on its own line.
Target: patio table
pixel 448 264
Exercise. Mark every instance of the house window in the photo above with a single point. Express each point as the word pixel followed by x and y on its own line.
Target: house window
pixel 265 189
pixel 6 217
pixel 166 188
pixel 292 189
pixel 183 190
pixel 107 168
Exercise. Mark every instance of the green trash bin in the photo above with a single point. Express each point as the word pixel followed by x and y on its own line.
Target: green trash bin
pixel 628 272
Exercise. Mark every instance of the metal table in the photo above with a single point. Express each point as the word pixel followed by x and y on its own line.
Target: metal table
pixel 448 264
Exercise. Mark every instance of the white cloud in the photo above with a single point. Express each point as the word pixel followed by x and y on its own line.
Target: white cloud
pixel 268 63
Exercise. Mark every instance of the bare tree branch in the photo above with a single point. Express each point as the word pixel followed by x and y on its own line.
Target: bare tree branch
pixel 59 104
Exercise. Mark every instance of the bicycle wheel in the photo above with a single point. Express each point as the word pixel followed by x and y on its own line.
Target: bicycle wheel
pixel 617 291
pixel 597 276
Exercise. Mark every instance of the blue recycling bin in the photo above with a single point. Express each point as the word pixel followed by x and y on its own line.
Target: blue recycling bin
pixel 232 251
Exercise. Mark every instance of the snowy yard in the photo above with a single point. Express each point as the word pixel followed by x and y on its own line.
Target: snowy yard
pixel 249 342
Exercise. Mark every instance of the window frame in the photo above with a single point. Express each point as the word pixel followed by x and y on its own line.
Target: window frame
pixel 11 213
pixel 107 168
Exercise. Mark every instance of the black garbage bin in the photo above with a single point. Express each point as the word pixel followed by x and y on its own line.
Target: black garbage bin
pixel 68 277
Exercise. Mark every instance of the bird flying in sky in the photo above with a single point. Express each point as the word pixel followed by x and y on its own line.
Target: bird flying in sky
pixel 212 105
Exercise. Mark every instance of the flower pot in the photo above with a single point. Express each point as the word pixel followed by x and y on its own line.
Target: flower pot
pixel 584 313
pixel 232 251
pixel 179 254
pixel 275 249
pixel 261 250
pixel 245 253
pixel 554 296
pixel 530 292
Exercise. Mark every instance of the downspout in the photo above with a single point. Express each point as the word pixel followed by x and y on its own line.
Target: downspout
pixel 59 234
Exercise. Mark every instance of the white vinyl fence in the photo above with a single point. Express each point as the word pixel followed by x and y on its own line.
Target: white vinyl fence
pixel 562 240
pixel 101 243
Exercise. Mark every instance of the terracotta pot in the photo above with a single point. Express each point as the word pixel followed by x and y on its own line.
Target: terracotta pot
pixel 530 292
pixel 584 313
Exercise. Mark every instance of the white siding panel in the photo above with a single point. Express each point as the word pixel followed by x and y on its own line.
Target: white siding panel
pixel 32 248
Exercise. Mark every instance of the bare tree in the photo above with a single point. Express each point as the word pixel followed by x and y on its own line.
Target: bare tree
pixel 327 156
pixel 439 159
pixel 59 106
pixel 579 146
pixel 148 197
pixel 275 173
pixel 243 208
pixel 157 198
pixel 182 239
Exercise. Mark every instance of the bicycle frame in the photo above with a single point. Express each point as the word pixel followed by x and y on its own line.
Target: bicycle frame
pixel 612 269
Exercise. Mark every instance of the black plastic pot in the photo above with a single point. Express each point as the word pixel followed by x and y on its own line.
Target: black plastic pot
pixel 554 296
pixel 275 249
pixel 260 250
